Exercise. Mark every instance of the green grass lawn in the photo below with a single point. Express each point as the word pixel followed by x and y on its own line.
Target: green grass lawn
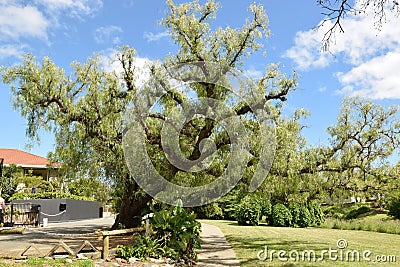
pixel 247 241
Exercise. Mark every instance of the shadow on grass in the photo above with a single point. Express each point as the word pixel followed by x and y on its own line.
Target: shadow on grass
pixel 253 245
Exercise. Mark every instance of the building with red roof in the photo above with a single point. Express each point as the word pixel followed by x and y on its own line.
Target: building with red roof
pixel 39 166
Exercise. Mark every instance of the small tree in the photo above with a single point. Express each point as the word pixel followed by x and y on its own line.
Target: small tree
pixel 8 182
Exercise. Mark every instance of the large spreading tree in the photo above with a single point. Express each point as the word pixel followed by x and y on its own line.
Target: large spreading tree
pixel 85 109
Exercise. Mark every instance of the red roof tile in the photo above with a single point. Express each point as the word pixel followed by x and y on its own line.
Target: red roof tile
pixel 21 158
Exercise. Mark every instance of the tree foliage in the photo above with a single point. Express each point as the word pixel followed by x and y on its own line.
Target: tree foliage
pixel 8 183
pixel 394 207
pixel 357 159
pixel 90 188
pixel 84 108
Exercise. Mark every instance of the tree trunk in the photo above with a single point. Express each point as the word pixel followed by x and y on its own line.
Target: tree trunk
pixel 130 213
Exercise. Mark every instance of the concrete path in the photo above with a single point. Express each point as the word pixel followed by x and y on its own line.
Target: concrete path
pixel 216 251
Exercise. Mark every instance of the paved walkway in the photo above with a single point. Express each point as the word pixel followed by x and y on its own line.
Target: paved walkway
pixel 216 251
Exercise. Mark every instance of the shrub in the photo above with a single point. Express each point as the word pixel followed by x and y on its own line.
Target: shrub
pixel 266 207
pixel 248 211
pixel 281 215
pixel 394 207
pixel 301 216
pixel 229 202
pixel 179 233
pixel 336 211
pixel 210 211
pixel 376 225
pixel 353 214
pixel 317 216
pixel 143 248
pixel 306 218
pixel 48 195
pixel 295 211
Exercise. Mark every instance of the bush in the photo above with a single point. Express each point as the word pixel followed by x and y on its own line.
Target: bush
pixel 48 195
pixel 266 207
pixel 210 211
pixel 179 233
pixel 295 211
pixel 394 208
pixel 353 214
pixel 306 218
pixel 229 202
pixel 317 216
pixel 248 211
pixel 281 215
pixel 143 248
pixel 301 216
pixel 334 211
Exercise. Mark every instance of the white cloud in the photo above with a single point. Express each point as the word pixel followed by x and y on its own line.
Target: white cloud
pixel 253 73
pixel 74 8
pixel 151 37
pixel 17 22
pixel 21 20
pixel 109 62
pixel 377 78
pixel 307 53
pixel 373 55
pixel 10 51
pixel 107 34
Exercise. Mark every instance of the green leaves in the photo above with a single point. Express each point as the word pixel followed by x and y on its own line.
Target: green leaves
pixel 281 215
pixel 356 161
pixel 179 232
pixel 143 248
pixel 394 207
pixel 248 211
pixel 189 25
pixel 362 141
pixel 48 195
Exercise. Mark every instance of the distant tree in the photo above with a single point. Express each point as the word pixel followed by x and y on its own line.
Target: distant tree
pixel 8 182
pixel 357 160
pixel 365 137
pixel 28 180
pixel 90 187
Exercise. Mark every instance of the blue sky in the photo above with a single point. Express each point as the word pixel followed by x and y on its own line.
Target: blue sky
pixel 363 61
